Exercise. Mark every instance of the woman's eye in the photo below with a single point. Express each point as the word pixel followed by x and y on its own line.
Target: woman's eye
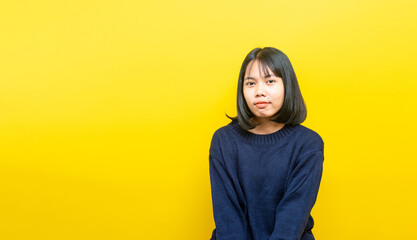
pixel 271 81
pixel 250 83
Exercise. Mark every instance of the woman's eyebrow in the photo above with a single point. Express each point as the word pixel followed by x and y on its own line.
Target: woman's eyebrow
pixel 248 78
pixel 266 76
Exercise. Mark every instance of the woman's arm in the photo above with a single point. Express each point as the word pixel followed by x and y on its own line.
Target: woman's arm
pixel 294 209
pixel 229 216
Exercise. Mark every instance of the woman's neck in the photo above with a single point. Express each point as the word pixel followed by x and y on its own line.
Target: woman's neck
pixel 267 127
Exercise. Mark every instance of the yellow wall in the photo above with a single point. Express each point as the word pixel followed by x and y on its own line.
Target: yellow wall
pixel 107 109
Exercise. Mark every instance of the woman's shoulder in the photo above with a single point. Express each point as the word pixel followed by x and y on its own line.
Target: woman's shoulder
pixel 308 132
pixel 308 138
pixel 221 141
pixel 223 131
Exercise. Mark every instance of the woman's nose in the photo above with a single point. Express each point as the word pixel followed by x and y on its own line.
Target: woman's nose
pixel 260 91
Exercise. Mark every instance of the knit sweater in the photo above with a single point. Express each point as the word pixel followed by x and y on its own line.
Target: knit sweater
pixel 263 187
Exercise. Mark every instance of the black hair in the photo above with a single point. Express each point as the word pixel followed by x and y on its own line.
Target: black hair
pixel 293 110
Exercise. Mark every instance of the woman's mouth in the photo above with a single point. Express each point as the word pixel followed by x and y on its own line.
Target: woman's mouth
pixel 262 104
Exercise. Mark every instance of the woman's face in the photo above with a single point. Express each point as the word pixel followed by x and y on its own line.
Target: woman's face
pixel 264 93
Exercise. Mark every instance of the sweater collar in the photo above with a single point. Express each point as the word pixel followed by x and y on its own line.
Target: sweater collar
pixel 261 138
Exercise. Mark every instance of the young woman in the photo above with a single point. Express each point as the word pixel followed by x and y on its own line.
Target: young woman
pixel 265 168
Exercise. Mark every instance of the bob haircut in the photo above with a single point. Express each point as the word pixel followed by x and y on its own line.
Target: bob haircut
pixel 293 110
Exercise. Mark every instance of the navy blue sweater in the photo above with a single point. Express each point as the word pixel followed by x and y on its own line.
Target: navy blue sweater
pixel 263 187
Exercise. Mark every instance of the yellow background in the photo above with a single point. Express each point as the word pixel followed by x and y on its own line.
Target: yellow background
pixel 107 109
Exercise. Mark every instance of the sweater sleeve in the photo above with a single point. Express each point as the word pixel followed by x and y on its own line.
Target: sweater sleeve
pixel 228 214
pixel 293 211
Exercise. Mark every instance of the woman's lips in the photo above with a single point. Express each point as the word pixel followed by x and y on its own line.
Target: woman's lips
pixel 262 104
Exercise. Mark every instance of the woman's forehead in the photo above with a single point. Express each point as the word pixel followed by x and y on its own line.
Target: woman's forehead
pixel 263 68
